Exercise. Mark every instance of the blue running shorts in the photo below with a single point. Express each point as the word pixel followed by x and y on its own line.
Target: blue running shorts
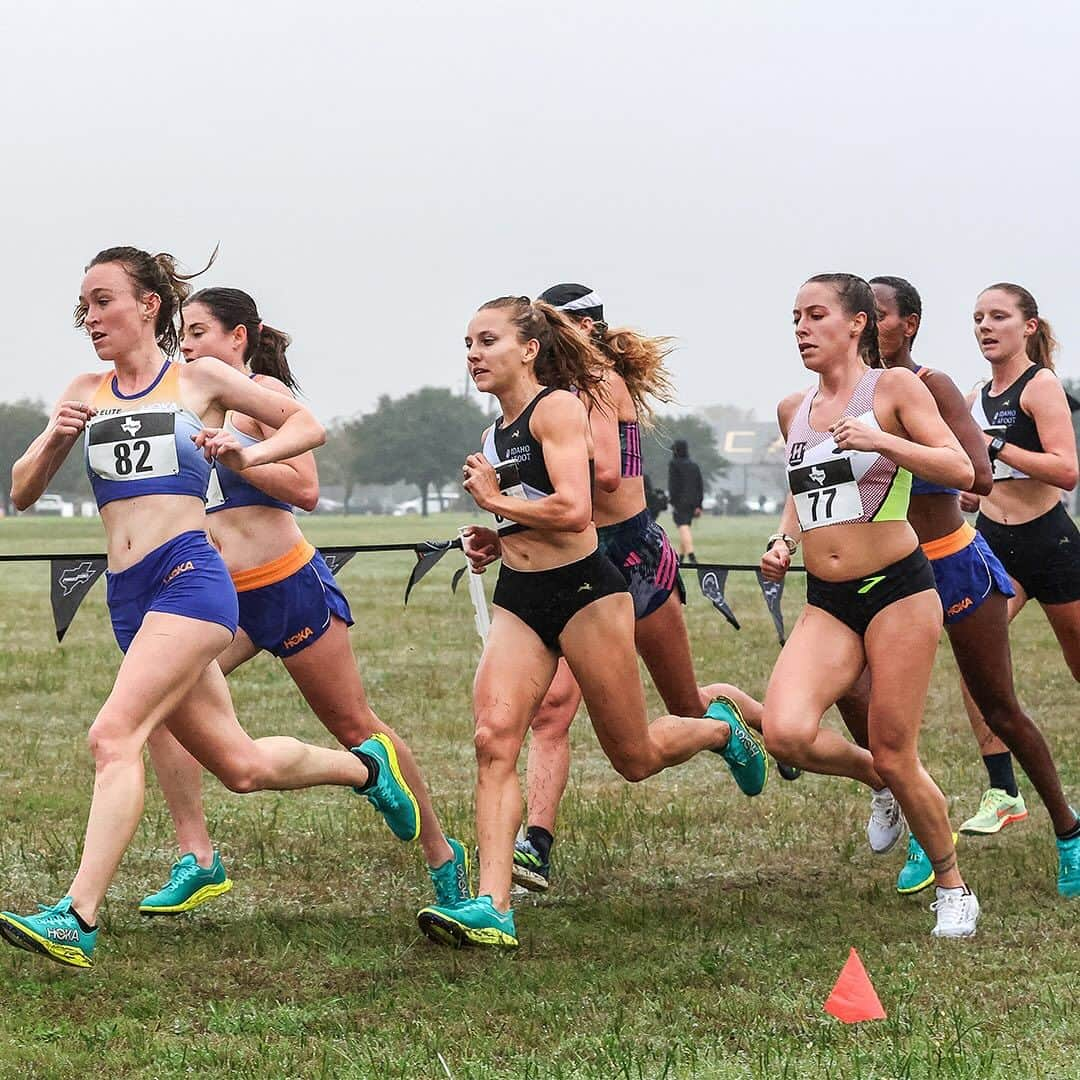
pixel 644 556
pixel 184 576
pixel 286 614
pixel 967 576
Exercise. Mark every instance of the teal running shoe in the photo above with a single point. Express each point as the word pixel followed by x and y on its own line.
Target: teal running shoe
pixel 451 880
pixel 530 871
pixel 189 885
pixel 1068 867
pixel 54 932
pixel 745 751
pixel 472 922
pixel 916 874
pixel 390 794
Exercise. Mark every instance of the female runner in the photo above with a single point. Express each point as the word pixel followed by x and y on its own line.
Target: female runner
pixel 152 428
pixel 852 442
pixel 639 548
pixel 1027 425
pixel 971 581
pixel 290 605
pixel 556 593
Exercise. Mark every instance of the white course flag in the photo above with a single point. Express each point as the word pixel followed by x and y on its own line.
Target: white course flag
pixel 479 599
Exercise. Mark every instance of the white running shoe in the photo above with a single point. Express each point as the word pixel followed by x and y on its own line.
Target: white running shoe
pixel 886 824
pixel 957 913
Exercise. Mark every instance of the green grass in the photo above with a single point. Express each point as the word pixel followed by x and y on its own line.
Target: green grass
pixel 691 932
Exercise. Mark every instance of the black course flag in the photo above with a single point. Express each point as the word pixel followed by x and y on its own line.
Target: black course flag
pixel 336 560
pixel 773 591
pixel 712 584
pixel 427 555
pixel 71 581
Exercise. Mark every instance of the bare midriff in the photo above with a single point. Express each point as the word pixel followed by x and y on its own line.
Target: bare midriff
pixel 540 549
pixel 1013 502
pixel 134 527
pixel 252 536
pixel 844 552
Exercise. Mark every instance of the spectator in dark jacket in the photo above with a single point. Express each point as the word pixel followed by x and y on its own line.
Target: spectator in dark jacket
pixel 686 492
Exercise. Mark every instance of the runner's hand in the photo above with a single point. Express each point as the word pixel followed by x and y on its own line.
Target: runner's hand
pixel 69 422
pixel 479 480
pixel 775 562
pixel 481 547
pixel 217 444
pixel 851 434
pixel 969 503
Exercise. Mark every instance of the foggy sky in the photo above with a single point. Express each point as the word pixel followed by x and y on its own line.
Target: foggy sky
pixel 374 172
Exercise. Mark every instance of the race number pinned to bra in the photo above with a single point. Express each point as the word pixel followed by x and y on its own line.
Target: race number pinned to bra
pixel 825 493
pixel 133 446
pixel 509 484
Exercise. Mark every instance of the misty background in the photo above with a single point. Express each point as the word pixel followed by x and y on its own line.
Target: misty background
pixel 374 172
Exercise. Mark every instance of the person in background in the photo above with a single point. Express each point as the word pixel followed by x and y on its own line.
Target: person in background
pixel 685 492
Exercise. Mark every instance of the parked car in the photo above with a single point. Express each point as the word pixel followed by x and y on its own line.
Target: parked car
pixel 52 503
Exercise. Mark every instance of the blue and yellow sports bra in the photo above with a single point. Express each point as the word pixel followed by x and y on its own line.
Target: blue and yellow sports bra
pixel 229 490
pixel 140 444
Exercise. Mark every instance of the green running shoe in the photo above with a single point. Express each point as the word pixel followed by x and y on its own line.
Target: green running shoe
pixel 745 751
pixel 54 932
pixel 390 794
pixel 1068 867
pixel 997 809
pixel 451 880
pixel 189 885
pixel 530 871
pixel 472 922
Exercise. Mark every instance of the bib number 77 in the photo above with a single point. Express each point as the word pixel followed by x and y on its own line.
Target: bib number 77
pixel 822 499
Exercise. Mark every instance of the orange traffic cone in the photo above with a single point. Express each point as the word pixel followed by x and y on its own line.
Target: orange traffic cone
pixel 853 998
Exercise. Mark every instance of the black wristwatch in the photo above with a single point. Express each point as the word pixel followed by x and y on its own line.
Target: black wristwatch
pixel 994 447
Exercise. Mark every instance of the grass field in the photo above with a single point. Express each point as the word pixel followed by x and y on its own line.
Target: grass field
pixel 691 932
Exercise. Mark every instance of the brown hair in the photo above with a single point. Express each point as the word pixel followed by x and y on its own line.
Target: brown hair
pixel 1042 345
pixel 265 349
pixel 639 361
pixel 855 295
pixel 567 359
pixel 153 274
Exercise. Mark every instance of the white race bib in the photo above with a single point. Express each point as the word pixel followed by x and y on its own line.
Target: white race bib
pixel 509 484
pixel 133 446
pixel 825 494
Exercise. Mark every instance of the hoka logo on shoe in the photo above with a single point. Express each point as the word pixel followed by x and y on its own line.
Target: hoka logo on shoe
pixel 182 568
pixel 295 640
pixel 63 934
pixel 962 605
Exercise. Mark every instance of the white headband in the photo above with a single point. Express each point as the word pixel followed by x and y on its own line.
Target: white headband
pixel 582 303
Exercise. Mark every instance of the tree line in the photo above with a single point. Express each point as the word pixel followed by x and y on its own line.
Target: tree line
pixel 420 439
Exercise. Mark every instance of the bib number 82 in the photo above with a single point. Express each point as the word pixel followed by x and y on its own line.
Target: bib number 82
pixel 826 496
pixel 127 462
